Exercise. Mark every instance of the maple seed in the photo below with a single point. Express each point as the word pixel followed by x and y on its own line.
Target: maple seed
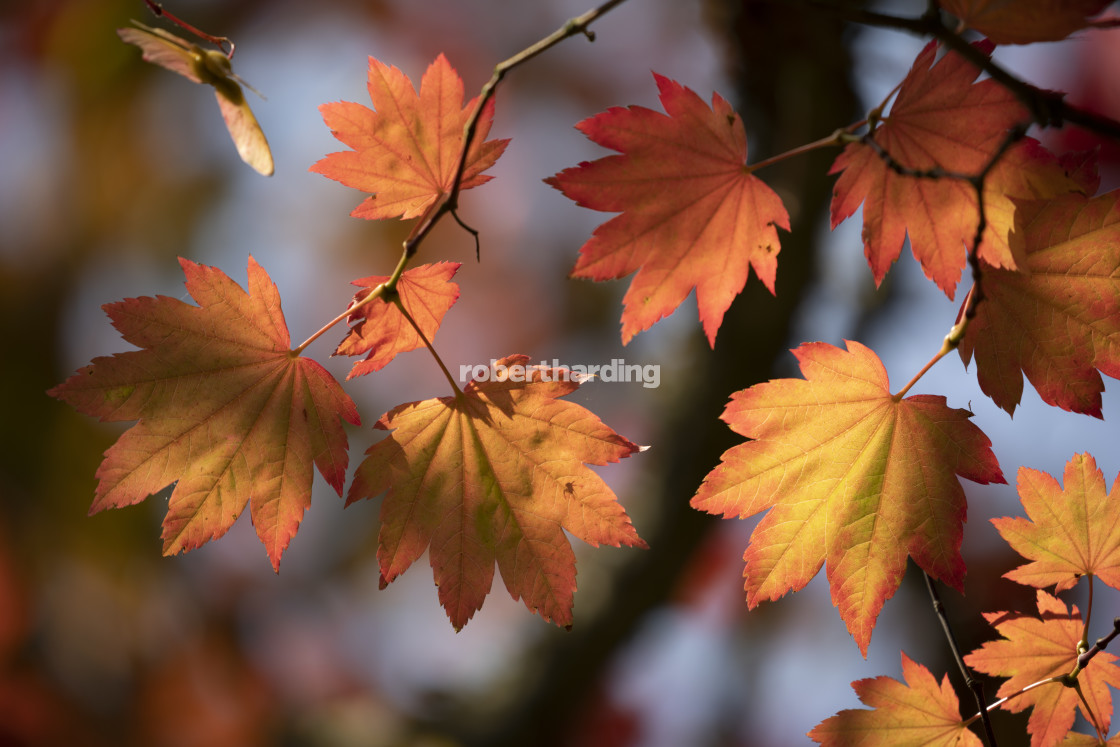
pixel 211 68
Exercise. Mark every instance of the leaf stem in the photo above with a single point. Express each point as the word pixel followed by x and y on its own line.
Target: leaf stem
pixel 396 299
pixel 946 348
pixel 839 137
pixel 1084 646
pixel 377 292
pixel 973 684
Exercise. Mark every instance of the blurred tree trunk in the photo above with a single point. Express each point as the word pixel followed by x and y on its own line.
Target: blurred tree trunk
pixel 792 71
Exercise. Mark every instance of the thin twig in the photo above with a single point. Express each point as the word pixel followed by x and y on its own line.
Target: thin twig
pixel 1102 643
pixel 573 26
pixel 975 294
pixel 973 684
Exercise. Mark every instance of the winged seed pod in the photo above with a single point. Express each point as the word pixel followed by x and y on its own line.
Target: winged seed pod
pixel 212 68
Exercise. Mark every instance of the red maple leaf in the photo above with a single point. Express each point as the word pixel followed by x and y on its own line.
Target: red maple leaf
pixel 225 411
pixel 1058 322
pixel 940 119
pixel 495 474
pixel 849 475
pixel 1037 648
pixel 380 328
pixel 1069 533
pixel 693 215
pixel 406 149
pixel 919 712
pixel 1025 21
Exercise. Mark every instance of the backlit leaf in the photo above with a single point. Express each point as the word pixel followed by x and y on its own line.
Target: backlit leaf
pixel 1036 648
pixel 917 712
pixel 226 412
pixel 1070 532
pixel 1058 322
pixel 850 476
pixel 495 474
pixel 693 216
pixel 405 149
pixel 380 329
pixel 940 119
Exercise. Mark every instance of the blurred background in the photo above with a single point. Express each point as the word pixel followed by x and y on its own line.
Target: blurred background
pixel 110 168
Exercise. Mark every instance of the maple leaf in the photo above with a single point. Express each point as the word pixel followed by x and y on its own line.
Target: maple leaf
pixel 225 411
pixel 495 474
pixel 693 215
pixel 1058 322
pixel 1025 21
pixel 380 328
pixel 1028 171
pixel 848 475
pixel 1069 533
pixel 406 149
pixel 1036 648
pixel 917 712
pixel 212 68
pixel 940 119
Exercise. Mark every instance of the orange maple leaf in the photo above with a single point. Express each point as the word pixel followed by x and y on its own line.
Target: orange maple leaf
pixel 693 215
pixel 1034 649
pixel 850 475
pixel 917 712
pixel 1025 21
pixel 406 149
pixel 1069 533
pixel 225 411
pixel 1058 322
pixel 380 328
pixel 940 119
pixel 495 474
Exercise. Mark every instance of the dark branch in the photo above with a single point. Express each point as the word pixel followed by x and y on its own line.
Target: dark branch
pixel 974 685
pixel 1047 108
